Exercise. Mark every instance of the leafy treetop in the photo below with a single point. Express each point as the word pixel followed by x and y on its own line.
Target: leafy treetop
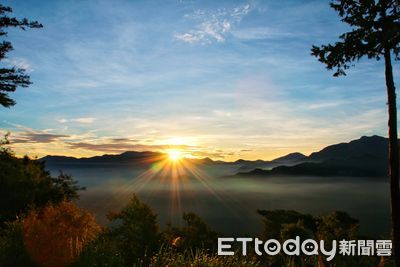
pixel 375 28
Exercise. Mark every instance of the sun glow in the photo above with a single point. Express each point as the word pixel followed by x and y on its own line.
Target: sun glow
pixel 173 170
pixel 174 155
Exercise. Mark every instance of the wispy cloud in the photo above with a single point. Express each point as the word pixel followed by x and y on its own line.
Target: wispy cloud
pixel 258 33
pixel 258 90
pixel 213 25
pixel 324 105
pixel 113 146
pixel 218 154
pixel 84 120
pixel 37 137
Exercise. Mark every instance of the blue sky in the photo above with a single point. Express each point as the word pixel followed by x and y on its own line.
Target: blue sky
pixel 225 79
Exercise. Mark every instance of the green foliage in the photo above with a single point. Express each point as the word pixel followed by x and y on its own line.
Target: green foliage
pixel 195 235
pixel 134 240
pixel 375 28
pixel 278 223
pixel 283 225
pixel 103 251
pixel 336 225
pixel 11 78
pixel 64 187
pixel 12 249
pixel 135 231
pixel 287 224
pixel 25 183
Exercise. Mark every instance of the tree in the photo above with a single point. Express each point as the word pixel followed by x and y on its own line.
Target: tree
pixel 25 183
pixel 375 34
pixel 135 231
pixel 283 225
pixel 195 235
pixel 56 234
pixel 336 225
pixel 274 220
pixel 11 78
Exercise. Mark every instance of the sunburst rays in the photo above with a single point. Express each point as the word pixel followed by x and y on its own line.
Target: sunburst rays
pixel 172 174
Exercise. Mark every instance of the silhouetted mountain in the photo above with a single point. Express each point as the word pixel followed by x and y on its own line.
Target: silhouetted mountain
pixel 126 158
pixel 287 160
pixel 143 159
pixel 291 158
pixel 366 156
pixel 376 146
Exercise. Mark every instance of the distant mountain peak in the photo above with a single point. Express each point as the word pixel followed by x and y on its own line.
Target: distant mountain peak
pixel 366 157
pixel 365 149
pixel 365 145
pixel 295 156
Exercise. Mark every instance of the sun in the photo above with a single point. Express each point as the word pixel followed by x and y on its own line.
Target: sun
pixel 174 155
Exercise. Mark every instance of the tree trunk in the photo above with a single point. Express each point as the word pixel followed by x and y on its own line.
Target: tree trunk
pixel 393 157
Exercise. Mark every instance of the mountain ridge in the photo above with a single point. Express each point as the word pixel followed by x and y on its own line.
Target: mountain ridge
pixel 366 156
pixel 157 155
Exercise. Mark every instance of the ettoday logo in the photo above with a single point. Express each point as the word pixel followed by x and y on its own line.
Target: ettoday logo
pixel 309 247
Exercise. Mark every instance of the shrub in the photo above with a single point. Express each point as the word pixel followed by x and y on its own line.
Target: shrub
pixel 56 234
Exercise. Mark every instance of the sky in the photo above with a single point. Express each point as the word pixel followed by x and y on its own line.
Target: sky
pixel 218 79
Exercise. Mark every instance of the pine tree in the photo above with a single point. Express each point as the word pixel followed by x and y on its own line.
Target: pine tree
pixel 375 34
pixel 11 78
